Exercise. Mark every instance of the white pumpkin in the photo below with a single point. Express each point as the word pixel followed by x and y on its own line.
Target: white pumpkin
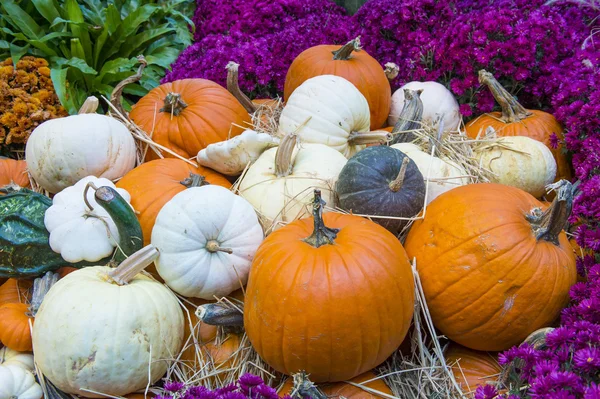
pixel 437 101
pixel 444 175
pixel 280 184
pixel 18 383
pixel 62 151
pixel 20 359
pixel 207 237
pixel 108 330
pixel 231 157
pixel 329 110
pixel 520 162
pixel 76 232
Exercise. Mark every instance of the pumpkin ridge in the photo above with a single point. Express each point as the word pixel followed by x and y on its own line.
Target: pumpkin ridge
pixel 321 118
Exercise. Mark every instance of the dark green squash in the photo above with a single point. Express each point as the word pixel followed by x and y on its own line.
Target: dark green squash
pixel 24 248
pixel 382 181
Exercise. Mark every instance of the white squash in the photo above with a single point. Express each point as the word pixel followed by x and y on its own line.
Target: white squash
pixel 444 176
pixel 520 162
pixel 437 101
pixel 10 357
pixel 62 151
pixel 329 110
pixel 108 330
pixel 76 232
pixel 231 157
pixel 207 237
pixel 18 383
pixel 281 182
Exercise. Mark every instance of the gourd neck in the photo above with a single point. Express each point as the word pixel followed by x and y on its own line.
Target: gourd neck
pixel 90 106
pixel 133 265
pixel 234 88
pixel 305 388
pixel 283 156
pixel 396 184
pixel 345 52
pixel 219 314
pixel 374 137
pixel 173 104
pixel 410 117
pixel 194 180
pixel 41 286
pixel 322 235
pixel 548 224
pixel 512 110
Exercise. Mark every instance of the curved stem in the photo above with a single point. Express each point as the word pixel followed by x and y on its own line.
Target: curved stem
pixel 214 246
pixel 117 93
pixel 41 286
pixel 173 104
pixel 377 136
pixel 234 88
pixel 305 388
pixel 195 180
pixel 218 314
pixel 410 117
pixel 283 156
pixel 133 265
pixel 391 70
pixel 547 225
pixel 396 184
pixel 85 191
pixel 90 105
pixel 322 234
pixel 345 52
pixel 512 111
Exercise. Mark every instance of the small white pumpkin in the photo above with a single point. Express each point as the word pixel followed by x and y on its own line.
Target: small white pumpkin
pixel 520 162
pixel 329 110
pixel 281 183
pixel 444 175
pixel 231 157
pixel 108 330
pixel 18 383
pixel 20 359
pixel 437 101
pixel 62 151
pixel 207 237
pixel 76 232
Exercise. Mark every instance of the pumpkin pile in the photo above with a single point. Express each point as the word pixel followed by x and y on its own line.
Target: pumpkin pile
pixel 117 265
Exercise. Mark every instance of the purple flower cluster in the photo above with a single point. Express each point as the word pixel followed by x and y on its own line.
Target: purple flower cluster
pixel 248 387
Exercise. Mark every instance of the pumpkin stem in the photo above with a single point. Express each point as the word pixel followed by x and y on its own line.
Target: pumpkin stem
pixel 117 93
pixel 213 246
pixel 547 225
pixel 41 286
pixel 173 104
pixel 283 156
pixel 391 70
pixel 321 234
pixel 305 388
pixel 410 117
pixel 234 88
pixel 396 184
pixel 512 111
pixel 344 52
pixel 133 265
pixel 377 137
pixel 85 191
pixel 195 180
pixel 218 314
pixel 90 105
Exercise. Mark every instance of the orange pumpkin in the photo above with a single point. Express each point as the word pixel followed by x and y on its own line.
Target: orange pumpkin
pixel 15 291
pixel 515 120
pixel 187 115
pixel 225 355
pixel 139 395
pixel 348 391
pixel 15 332
pixel 358 67
pixel 202 333
pixel 494 266
pixel 315 294
pixel 472 368
pixel 63 271
pixel 13 172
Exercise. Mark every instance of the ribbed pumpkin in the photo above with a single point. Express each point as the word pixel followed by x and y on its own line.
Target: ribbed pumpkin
pixel 515 120
pixel 494 266
pixel 187 115
pixel 349 62
pixel 472 368
pixel 13 171
pixel 15 332
pixel 15 291
pixel 315 294
pixel 348 391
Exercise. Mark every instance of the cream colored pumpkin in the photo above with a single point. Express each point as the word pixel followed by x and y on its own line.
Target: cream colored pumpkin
pixel 231 157
pixel 280 184
pixel 107 330
pixel 444 175
pixel 18 383
pixel 62 151
pixel 437 101
pixel 14 358
pixel 328 110
pixel 207 237
pixel 520 162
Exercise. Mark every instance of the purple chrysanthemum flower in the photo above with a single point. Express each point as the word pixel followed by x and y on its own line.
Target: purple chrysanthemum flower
pixel 587 360
pixel 173 386
pixel 250 380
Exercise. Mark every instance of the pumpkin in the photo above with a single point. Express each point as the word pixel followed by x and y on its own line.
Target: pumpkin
pixel 494 266
pixel 18 383
pixel 438 104
pixel 325 278
pixel 14 291
pixel 279 184
pixel 81 308
pixel 382 182
pixel 14 326
pixel 152 184
pixel 224 355
pixel 13 172
pixel 329 110
pixel 515 120
pixel 232 156
pixel 520 162
pixel 62 151
pixel 349 391
pixel 351 63
pixel 195 334
pixel 443 174
pixel 472 368
pixel 19 359
pixel 187 115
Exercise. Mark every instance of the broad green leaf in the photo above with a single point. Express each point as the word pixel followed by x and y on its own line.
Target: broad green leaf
pixel 182 31
pixel 4 45
pixel 16 52
pixel 61 20
pixel 77 49
pixel 135 89
pixel 116 65
pixel 99 45
pixel 16 35
pixel 136 44
pixel 74 13
pixel 115 78
pixel 48 9
pixel 164 57
pixel 59 79
pixel 45 48
pixel 25 23
pixel 81 65
pixel 54 35
pixel 93 11
pixel 113 19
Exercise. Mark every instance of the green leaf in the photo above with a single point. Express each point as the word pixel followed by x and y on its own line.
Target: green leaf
pixel 135 89
pixel 164 57
pixel 116 65
pixel 59 78
pixel 49 9
pixel 16 52
pixel 81 65
pixel 22 20
pixel 99 45
pixel 16 35
pixel 113 19
pixel 74 13
pixel 77 49
pixel 4 45
pixel 41 45
pixel 93 12
pixel 136 44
